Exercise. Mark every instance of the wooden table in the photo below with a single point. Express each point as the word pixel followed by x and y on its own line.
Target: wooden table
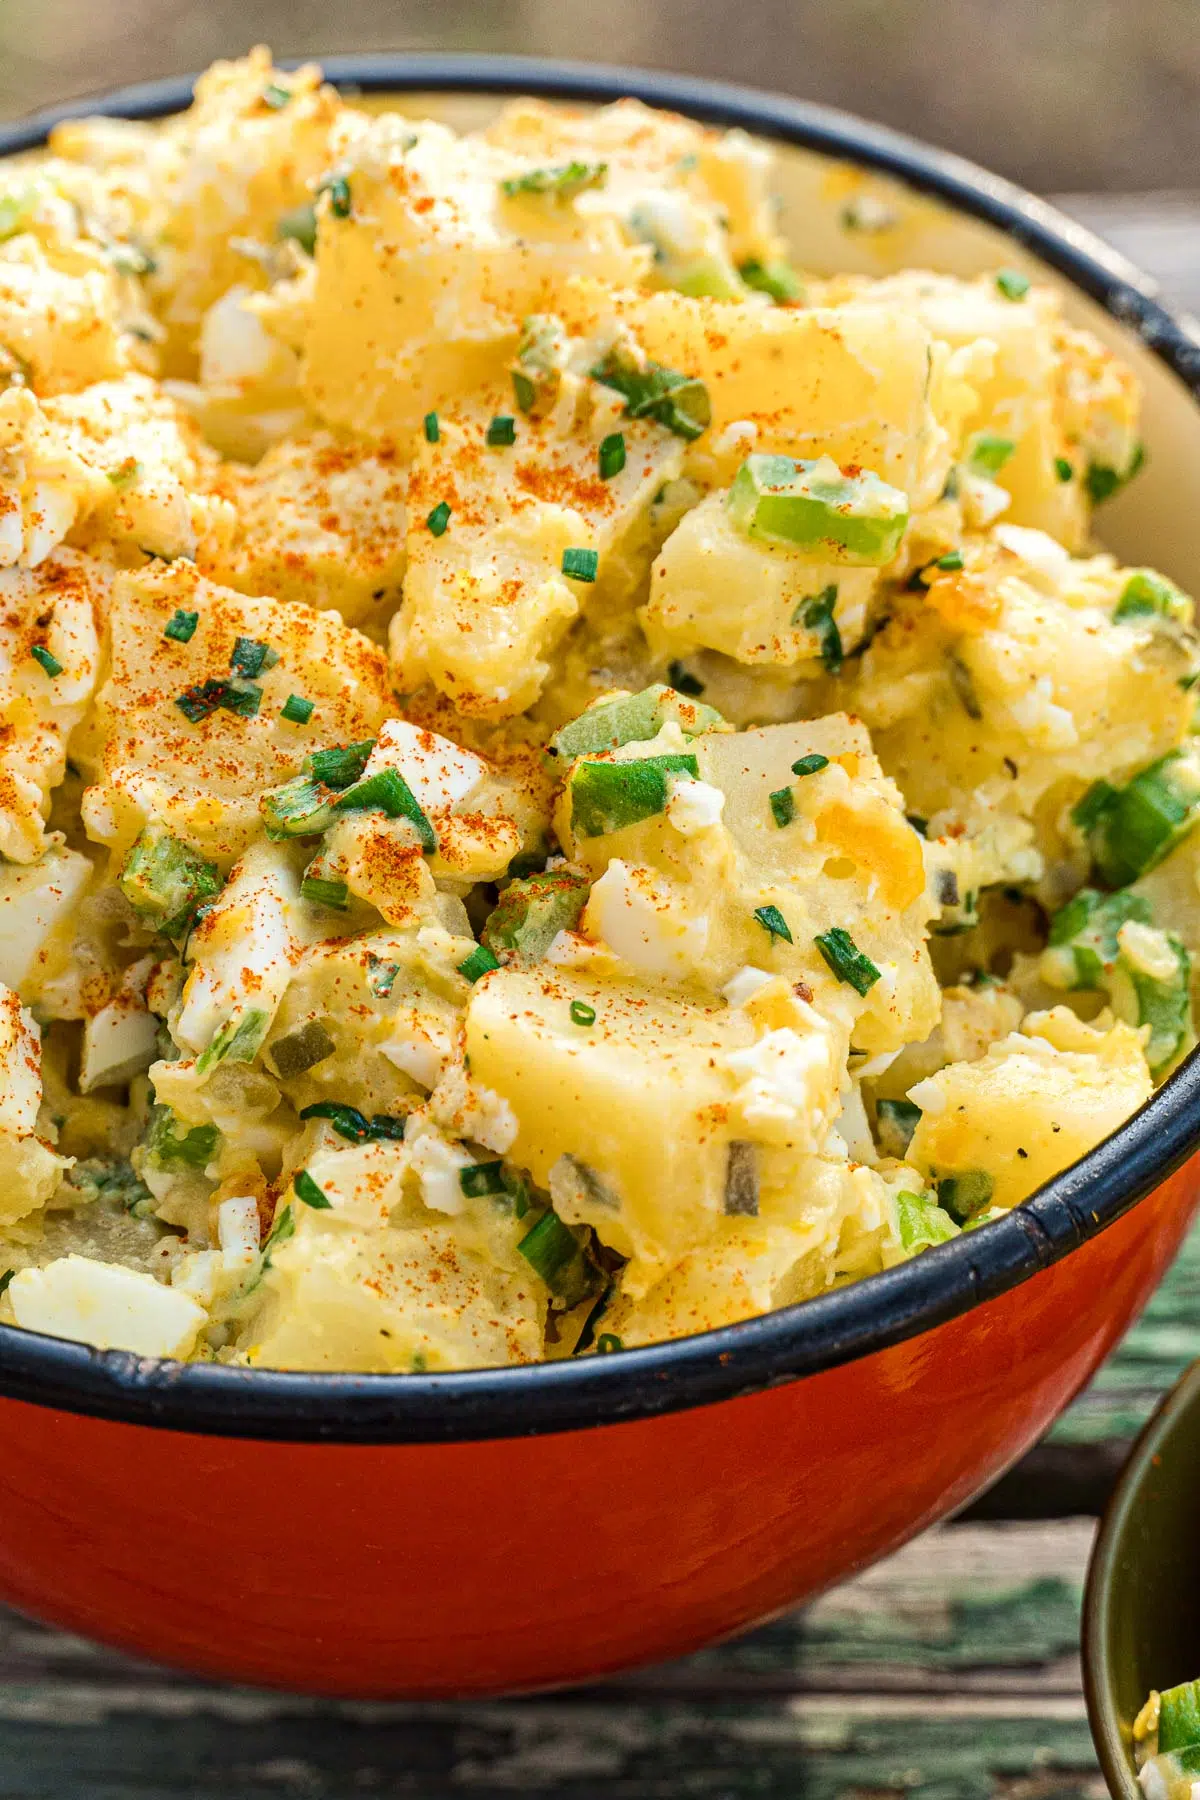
pixel 949 1672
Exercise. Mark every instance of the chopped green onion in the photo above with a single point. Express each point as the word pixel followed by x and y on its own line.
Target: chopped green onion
pixel 125 474
pixel 846 960
pixel 306 1189
pixel 439 518
pixel 167 1147
pixel 296 710
pixel 562 182
pixel 773 922
pixel 608 796
pixel 338 189
pixel 47 659
pixel 895 1122
pixel 5 1280
pixel 608 1343
pixel 525 392
pixel 1149 595
pixel 684 682
pixel 1131 829
pixel 816 615
pixel 580 565
pixel 181 626
pixel 388 791
pixel 432 428
pixel 988 452
pixel 849 515
pixel 951 562
pixel 1087 928
pixel 631 719
pixel 340 766
pixel 595 1313
pixel 322 892
pixel 283 1229
pixel 479 963
pixel 237 1040
pixel 1063 469
pixel 558 1253
pixel 1103 481
pixel 776 278
pixel 298 808
pixel 381 975
pixel 783 806
pixel 275 96
pixel 611 455
pixel 301 1050
pixel 165 880
pixel 811 764
pixel 300 225
pixel 582 1013
pixel 250 656
pixel 680 402
pixel 353 1125
pixel 741 1181
pixel 1012 284
pixel 922 1223
pixel 502 431
pixel 966 1194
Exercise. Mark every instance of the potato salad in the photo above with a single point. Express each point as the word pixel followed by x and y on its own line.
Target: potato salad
pixel 566 779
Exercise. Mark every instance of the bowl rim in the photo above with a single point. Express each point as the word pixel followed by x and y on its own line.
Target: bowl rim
pixel 1123 1503
pixel 813 1336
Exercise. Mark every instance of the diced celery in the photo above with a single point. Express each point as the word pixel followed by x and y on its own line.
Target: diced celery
pixel 922 1223
pixel 608 796
pixel 1179 1717
pixel 845 516
pixel 533 911
pixel 1130 829
pixel 165 880
pixel 634 718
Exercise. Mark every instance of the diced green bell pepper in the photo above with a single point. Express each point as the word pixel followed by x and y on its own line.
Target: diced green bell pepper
pixel 842 516
pixel 608 796
pixel 531 913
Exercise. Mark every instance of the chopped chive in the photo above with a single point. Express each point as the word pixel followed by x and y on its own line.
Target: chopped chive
pixel 432 428
pixel 1063 469
pixel 1012 284
pixel 439 518
pixel 481 1179
pixel 847 960
pixel 296 710
pixel 250 656
pixel 353 1125
pixel 557 1252
pixel 275 96
pixel 479 963
pixel 607 1343
pixel 773 922
pixel 338 189
pixel 684 682
pixel 680 402
pixel 125 474
pixel 816 615
pixel 580 565
pixel 811 764
pixel 48 660
pixel 783 806
pixel 561 182
pixel 181 626
pixel 502 431
pixel 582 1013
pixel 950 562
pixel 306 1189
pixel 204 698
pixel 321 892
pixel 612 455
pixel 524 390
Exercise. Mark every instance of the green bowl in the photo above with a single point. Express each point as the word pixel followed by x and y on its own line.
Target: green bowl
pixel 1141 1614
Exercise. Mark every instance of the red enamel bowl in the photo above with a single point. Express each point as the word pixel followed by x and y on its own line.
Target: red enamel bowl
pixel 501 1530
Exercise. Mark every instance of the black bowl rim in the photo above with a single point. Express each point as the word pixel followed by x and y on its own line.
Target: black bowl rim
pixel 817 1335
pixel 1123 1502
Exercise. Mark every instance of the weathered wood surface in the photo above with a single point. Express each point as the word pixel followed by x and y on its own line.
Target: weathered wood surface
pixel 950 1672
